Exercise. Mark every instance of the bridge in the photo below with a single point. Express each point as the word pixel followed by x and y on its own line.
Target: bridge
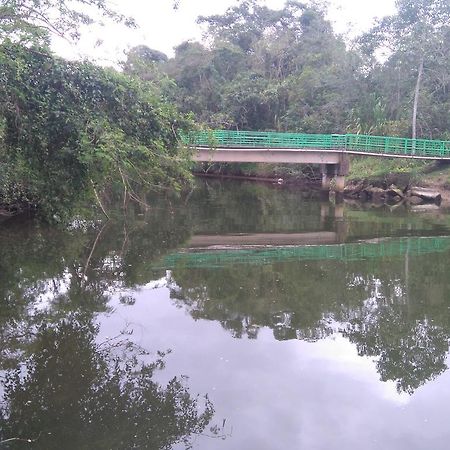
pixel 330 151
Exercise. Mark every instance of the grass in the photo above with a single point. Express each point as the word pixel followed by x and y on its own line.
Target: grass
pixel 390 170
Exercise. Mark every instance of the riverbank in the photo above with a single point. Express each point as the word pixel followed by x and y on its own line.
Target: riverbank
pixel 400 174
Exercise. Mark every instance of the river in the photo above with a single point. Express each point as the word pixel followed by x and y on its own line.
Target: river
pixel 240 316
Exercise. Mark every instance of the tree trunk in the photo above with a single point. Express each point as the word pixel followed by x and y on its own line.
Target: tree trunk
pixel 416 99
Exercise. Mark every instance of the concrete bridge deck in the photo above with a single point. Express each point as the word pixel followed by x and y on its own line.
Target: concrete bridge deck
pixel 333 164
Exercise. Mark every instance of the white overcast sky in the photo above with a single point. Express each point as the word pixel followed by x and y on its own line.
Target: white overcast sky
pixel 162 28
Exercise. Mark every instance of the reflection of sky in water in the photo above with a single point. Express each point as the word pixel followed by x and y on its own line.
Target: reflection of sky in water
pixel 284 394
pixel 50 289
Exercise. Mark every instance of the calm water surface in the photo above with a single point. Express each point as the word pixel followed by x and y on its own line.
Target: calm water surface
pixel 241 316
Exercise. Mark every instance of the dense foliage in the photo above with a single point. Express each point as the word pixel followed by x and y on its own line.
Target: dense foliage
pixel 287 70
pixel 73 130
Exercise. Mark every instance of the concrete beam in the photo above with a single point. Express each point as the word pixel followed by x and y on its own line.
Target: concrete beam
pixel 271 156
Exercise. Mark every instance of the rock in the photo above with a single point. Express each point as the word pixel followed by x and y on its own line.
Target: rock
pixel 354 188
pixel 376 194
pixel 430 207
pixel 352 194
pixel 395 199
pixel 374 190
pixel 425 194
pixel 415 200
pixel 363 196
pixel 394 191
pixel 401 181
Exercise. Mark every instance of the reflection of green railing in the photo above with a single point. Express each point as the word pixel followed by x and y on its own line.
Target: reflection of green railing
pixel 344 252
pixel 345 142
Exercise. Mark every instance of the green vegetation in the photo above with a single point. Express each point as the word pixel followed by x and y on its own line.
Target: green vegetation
pixel 386 169
pixel 286 70
pixel 74 133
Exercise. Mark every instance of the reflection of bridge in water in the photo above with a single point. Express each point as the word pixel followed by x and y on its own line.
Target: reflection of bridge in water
pixel 260 249
pixel 242 240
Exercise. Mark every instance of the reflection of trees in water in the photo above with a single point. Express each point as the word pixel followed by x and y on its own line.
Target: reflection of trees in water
pixel 248 207
pixel 73 393
pixel 60 386
pixel 43 268
pixel 402 321
pixel 46 274
pixel 410 352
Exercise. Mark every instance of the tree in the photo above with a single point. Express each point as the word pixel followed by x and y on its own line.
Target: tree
pixel 267 69
pixel 198 79
pixel 143 61
pixel 416 35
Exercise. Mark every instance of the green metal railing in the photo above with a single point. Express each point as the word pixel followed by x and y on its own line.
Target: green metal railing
pixel 356 251
pixel 351 143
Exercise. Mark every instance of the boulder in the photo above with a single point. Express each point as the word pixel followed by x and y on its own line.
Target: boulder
pixel 394 191
pixel 425 194
pixel 415 200
pixel 376 194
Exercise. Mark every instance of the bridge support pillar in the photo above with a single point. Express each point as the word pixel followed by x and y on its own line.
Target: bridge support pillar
pixel 328 171
pixel 341 230
pixel 342 171
pixel 337 172
pixel 340 222
pixel 339 211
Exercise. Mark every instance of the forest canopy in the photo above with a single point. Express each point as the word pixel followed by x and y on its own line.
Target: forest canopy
pixel 288 70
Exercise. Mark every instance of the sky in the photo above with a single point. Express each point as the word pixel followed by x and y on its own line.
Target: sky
pixel 162 28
